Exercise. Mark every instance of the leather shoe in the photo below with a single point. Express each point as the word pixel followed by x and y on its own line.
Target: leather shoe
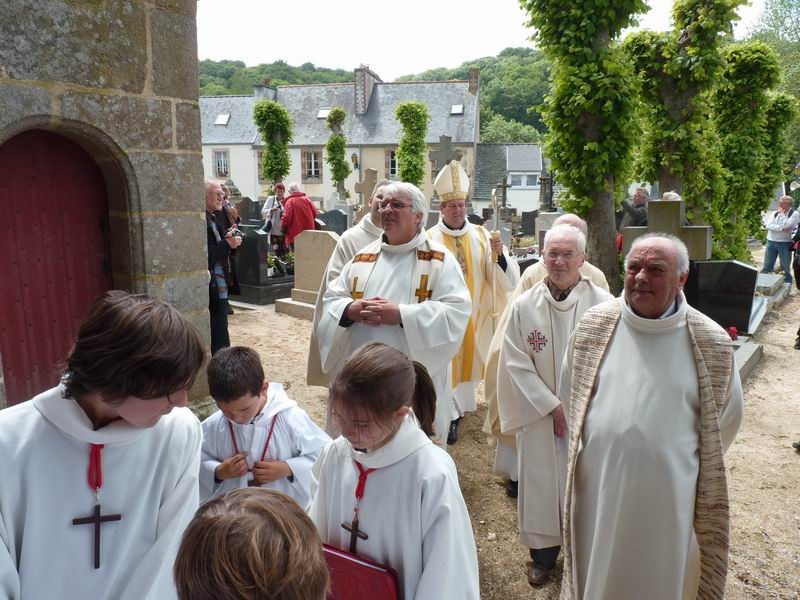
pixel 538 575
pixel 796 446
pixel 452 434
pixel 512 488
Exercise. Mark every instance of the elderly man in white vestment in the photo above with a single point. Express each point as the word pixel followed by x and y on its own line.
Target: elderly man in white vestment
pixel 404 290
pixel 655 399
pixel 506 449
pixel 490 275
pixel 537 333
pixel 365 232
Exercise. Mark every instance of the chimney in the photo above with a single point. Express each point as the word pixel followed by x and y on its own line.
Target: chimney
pixel 263 91
pixel 365 80
pixel 474 80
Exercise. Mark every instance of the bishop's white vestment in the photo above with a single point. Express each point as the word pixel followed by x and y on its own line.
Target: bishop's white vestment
pixel 489 287
pixel 351 241
pixel 537 335
pixel 423 278
pixel 636 461
pixel 295 439
pixel 149 477
pixel 412 511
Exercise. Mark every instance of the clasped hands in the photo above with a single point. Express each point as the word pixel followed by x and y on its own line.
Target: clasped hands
pixel 374 311
pixel 263 471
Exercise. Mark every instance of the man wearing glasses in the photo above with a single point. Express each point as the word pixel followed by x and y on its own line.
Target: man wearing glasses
pixel 404 290
pixel 537 334
pixel 489 280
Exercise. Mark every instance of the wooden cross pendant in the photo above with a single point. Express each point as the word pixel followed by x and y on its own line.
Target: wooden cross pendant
pixel 96 519
pixel 423 293
pixel 355 533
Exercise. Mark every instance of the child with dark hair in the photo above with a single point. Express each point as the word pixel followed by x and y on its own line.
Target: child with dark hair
pixel 99 474
pixel 259 436
pixel 383 490
pixel 251 544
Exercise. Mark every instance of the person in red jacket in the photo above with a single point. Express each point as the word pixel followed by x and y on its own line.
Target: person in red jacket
pixel 299 214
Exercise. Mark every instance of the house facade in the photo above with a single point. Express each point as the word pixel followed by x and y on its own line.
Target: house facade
pixel 232 146
pixel 519 165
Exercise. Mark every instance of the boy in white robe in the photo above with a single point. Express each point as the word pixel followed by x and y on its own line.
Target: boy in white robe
pixel 259 437
pixel 109 439
pixel 411 510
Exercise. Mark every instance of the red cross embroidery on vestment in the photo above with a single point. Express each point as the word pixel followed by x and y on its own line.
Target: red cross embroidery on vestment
pixel 537 340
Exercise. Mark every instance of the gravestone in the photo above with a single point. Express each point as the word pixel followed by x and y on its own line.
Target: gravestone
pixel 666 216
pixel 347 209
pixel 544 222
pixel 312 250
pixel 365 187
pixel 335 221
pixel 432 219
pixel 254 279
pixel 723 290
pixel 249 211
pixel 444 153
pixel 475 219
pixel 529 222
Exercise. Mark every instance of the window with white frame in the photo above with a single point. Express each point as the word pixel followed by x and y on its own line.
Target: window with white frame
pixel 222 162
pixel 312 166
pixel 523 180
pixel 391 164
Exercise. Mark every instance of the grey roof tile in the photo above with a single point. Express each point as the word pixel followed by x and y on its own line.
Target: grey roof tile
pixel 490 168
pixel 240 128
pixel 524 157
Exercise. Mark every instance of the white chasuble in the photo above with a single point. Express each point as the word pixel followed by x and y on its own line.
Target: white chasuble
pixel 537 335
pixel 412 512
pixel 351 241
pixel 635 479
pixel 149 477
pixel 295 439
pixel 489 287
pixel 424 279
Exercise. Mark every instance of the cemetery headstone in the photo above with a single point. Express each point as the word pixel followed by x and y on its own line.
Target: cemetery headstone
pixel 335 221
pixel 723 290
pixel 366 186
pixel 544 221
pixel 312 250
pixel 433 219
pixel 249 211
pixel 666 216
pixel 529 222
pixel 475 219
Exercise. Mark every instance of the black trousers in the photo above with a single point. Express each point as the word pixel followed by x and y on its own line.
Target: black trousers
pixel 218 310
pixel 545 557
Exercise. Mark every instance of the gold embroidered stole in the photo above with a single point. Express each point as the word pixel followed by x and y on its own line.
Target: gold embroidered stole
pixel 427 269
pixel 713 355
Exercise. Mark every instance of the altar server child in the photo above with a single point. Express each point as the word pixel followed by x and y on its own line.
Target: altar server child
pixel 99 474
pixel 259 436
pixel 383 490
pixel 251 544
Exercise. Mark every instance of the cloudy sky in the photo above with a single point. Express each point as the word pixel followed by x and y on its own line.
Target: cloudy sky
pixel 393 37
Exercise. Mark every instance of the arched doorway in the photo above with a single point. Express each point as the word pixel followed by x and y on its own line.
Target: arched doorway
pixel 54 255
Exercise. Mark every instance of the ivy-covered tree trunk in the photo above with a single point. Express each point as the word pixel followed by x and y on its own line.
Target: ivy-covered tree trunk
pixel 590 111
pixel 335 151
pixel 414 117
pixel 275 126
pixel 678 69
pixel 740 111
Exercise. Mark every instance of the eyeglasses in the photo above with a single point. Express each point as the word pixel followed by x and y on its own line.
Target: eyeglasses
pixel 567 256
pixel 394 204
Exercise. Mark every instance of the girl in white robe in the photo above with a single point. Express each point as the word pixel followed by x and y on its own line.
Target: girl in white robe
pixel 412 509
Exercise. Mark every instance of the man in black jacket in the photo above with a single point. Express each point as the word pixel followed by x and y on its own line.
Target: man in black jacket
pixel 222 241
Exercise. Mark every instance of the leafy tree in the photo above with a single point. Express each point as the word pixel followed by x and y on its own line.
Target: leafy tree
pixel 275 126
pixel 781 112
pixel 335 150
pixel 414 117
pixel 499 130
pixel 740 112
pixel 237 78
pixel 679 69
pixel 590 109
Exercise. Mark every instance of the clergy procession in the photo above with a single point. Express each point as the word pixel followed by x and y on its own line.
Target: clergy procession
pixel 619 474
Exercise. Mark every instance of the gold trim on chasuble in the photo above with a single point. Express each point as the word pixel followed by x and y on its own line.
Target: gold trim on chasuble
pixel 353 293
pixel 462 364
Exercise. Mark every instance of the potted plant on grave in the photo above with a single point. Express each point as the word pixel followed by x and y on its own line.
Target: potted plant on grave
pixel 290 263
pixel 271 258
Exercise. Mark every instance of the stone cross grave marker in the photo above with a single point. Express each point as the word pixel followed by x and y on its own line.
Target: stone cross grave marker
pixel 502 187
pixel 666 216
pixel 366 186
pixel 445 152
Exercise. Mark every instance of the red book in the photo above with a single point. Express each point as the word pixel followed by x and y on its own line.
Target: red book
pixel 354 577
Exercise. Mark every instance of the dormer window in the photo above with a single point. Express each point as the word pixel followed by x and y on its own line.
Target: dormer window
pixel 222 119
pixel 456 109
pixel 323 113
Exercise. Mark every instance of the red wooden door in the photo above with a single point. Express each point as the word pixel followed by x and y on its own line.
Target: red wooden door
pixel 54 257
